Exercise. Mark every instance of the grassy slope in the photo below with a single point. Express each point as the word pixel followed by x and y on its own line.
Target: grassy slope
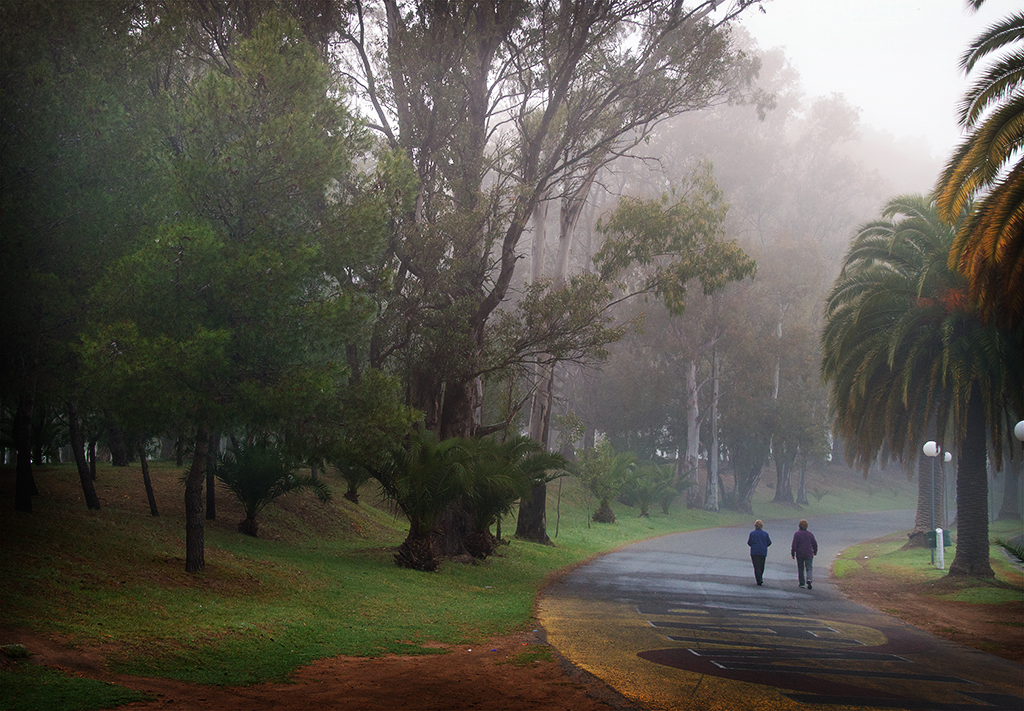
pixel 319 582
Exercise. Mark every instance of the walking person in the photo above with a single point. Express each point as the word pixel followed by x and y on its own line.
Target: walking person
pixel 803 550
pixel 758 540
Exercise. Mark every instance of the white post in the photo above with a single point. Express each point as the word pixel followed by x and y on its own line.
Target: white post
pixel 940 552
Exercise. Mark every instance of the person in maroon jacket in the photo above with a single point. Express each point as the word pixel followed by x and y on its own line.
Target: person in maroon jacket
pixel 803 550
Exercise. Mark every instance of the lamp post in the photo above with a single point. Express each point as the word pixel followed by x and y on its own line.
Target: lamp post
pixel 946 459
pixel 931 450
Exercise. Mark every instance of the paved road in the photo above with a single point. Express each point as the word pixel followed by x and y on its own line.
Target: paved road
pixel 678 623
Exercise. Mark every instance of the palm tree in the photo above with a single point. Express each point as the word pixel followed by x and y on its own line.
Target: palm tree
pixel 260 473
pixel 989 167
pixel 904 352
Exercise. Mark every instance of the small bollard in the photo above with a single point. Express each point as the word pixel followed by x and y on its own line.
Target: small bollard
pixel 940 550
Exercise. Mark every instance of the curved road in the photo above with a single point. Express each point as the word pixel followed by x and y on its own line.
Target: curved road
pixel 677 623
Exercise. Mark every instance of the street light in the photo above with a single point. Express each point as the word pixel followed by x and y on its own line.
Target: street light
pixel 931 450
pixel 946 459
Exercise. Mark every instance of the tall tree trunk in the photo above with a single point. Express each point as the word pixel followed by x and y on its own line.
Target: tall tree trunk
pixel 972 496
pixel 25 482
pixel 78 449
pixel 39 415
pixel 92 459
pixel 147 482
pixel 118 449
pixel 532 524
pixel 211 476
pixel 783 476
pixel 1010 509
pixel 931 499
pixel 711 498
pixel 801 489
pixel 691 462
pixel 195 554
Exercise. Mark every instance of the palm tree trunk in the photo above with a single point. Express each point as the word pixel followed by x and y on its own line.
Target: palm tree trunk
pixel 972 546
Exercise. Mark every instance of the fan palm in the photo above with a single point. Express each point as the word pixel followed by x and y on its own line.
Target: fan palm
pixel 989 167
pixel 258 474
pixel 903 351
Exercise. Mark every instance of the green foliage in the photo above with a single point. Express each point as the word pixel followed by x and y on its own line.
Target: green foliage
pixel 260 473
pixel 1014 549
pixel 677 238
pixel 504 472
pixel 425 477
pixel 649 482
pixel 603 473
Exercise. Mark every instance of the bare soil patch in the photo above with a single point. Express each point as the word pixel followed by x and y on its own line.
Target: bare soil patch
pixel 499 676
pixel 994 628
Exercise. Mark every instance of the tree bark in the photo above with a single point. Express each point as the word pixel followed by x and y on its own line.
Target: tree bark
pixel 211 479
pixel 92 459
pixel 24 483
pixel 118 449
pixel 711 502
pixel 195 557
pixel 147 482
pixel 691 462
pixel 972 546
pixel 783 477
pixel 532 524
pixel 1010 509
pixel 78 449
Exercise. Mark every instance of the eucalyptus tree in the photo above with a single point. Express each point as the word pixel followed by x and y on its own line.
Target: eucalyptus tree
pixel 903 351
pixel 492 102
pixel 988 169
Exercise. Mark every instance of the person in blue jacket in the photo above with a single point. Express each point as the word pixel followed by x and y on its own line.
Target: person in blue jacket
pixel 758 540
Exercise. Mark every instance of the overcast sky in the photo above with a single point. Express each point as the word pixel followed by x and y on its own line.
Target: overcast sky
pixel 897 60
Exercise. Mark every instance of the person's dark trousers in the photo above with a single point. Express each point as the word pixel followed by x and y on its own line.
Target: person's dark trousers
pixel 758 561
pixel 802 565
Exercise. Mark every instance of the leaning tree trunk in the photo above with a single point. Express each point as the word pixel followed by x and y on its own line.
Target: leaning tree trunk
pixel 972 546
pixel 195 554
pixel 78 449
pixel 147 482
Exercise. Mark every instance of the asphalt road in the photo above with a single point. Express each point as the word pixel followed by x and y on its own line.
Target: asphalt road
pixel 678 622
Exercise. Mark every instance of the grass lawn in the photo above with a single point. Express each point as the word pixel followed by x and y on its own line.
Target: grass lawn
pixel 319 582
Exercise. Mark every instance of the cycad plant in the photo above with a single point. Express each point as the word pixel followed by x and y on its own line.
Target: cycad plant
pixel 260 473
pixel 649 483
pixel 423 479
pixel 502 473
